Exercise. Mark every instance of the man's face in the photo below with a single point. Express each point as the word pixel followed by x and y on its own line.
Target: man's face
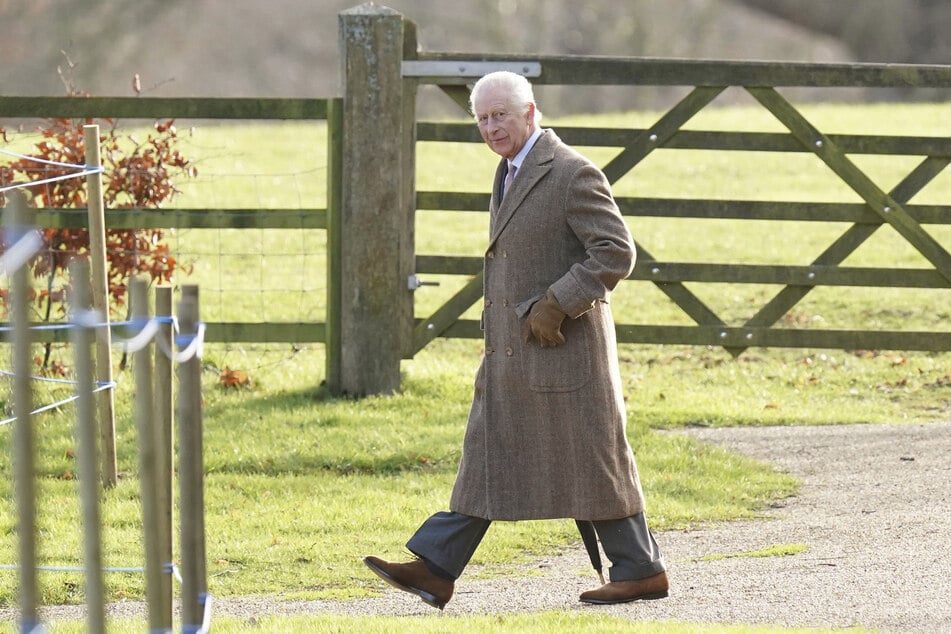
pixel 503 128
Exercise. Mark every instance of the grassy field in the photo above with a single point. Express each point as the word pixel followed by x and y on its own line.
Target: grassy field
pixel 300 485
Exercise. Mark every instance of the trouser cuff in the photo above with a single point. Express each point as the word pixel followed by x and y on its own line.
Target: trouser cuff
pixel 436 570
pixel 631 572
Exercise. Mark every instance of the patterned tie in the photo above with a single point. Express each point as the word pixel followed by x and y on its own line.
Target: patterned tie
pixel 508 179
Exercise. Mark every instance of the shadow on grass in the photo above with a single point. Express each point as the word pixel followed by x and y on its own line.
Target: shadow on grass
pixel 309 431
pixel 298 465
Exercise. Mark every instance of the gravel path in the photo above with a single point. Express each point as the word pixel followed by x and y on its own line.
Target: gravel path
pixel 874 511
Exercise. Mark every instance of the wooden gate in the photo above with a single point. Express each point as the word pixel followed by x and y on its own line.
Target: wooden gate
pixel 706 80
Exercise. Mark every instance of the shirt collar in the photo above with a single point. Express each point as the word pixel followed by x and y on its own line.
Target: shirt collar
pixel 529 144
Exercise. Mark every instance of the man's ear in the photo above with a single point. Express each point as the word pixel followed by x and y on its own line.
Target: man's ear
pixel 530 115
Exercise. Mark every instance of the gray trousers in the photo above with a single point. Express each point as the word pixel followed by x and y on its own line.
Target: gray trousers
pixel 446 542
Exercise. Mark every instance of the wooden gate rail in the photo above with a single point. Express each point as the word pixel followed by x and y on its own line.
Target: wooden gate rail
pixel 158 107
pixel 304 218
pixel 461 69
pixel 453 73
pixel 710 140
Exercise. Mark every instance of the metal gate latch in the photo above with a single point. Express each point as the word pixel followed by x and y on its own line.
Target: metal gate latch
pixel 413 282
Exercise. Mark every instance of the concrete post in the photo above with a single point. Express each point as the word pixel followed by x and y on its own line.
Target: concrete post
pixel 375 301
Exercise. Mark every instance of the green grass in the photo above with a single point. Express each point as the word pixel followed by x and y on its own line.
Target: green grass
pixel 539 623
pixel 301 486
pixel 775 550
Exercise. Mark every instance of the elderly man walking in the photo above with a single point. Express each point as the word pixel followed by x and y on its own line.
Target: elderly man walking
pixel 546 432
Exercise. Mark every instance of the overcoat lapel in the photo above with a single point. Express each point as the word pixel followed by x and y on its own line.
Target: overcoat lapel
pixel 536 164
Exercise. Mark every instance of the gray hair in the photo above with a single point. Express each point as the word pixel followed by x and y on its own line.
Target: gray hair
pixel 519 90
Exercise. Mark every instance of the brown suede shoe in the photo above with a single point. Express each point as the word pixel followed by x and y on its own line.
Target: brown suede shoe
pixel 413 577
pixel 654 587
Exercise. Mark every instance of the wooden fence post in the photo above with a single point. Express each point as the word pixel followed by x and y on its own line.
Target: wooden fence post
pixel 148 462
pixel 87 441
pixel 408 188
pixel 16 220
pixel 164 404
pixel 191 469
pixel 375 301
pixel 333 346
pixel 100 302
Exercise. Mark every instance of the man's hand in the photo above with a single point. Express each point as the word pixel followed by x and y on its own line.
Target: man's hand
pixel 544 322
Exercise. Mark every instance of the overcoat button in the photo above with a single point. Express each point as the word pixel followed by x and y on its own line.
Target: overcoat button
pixel 509 351
pixel 488 351
pixel 490 254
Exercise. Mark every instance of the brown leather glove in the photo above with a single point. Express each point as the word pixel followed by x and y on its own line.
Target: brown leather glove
pixel 544 321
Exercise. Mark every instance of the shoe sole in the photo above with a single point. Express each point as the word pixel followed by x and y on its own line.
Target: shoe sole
pixel 644 597
pixel 427 597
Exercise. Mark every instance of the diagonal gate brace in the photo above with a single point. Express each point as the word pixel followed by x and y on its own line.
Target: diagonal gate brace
pixel 448 313
pixel 659 133
pixel 887 207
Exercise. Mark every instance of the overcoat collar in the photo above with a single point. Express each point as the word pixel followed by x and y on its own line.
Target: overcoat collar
pixel 537 163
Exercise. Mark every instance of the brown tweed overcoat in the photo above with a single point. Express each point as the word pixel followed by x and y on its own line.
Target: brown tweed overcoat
pixel 546 431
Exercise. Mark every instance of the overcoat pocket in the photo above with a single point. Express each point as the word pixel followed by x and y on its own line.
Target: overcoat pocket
pixel 563 368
